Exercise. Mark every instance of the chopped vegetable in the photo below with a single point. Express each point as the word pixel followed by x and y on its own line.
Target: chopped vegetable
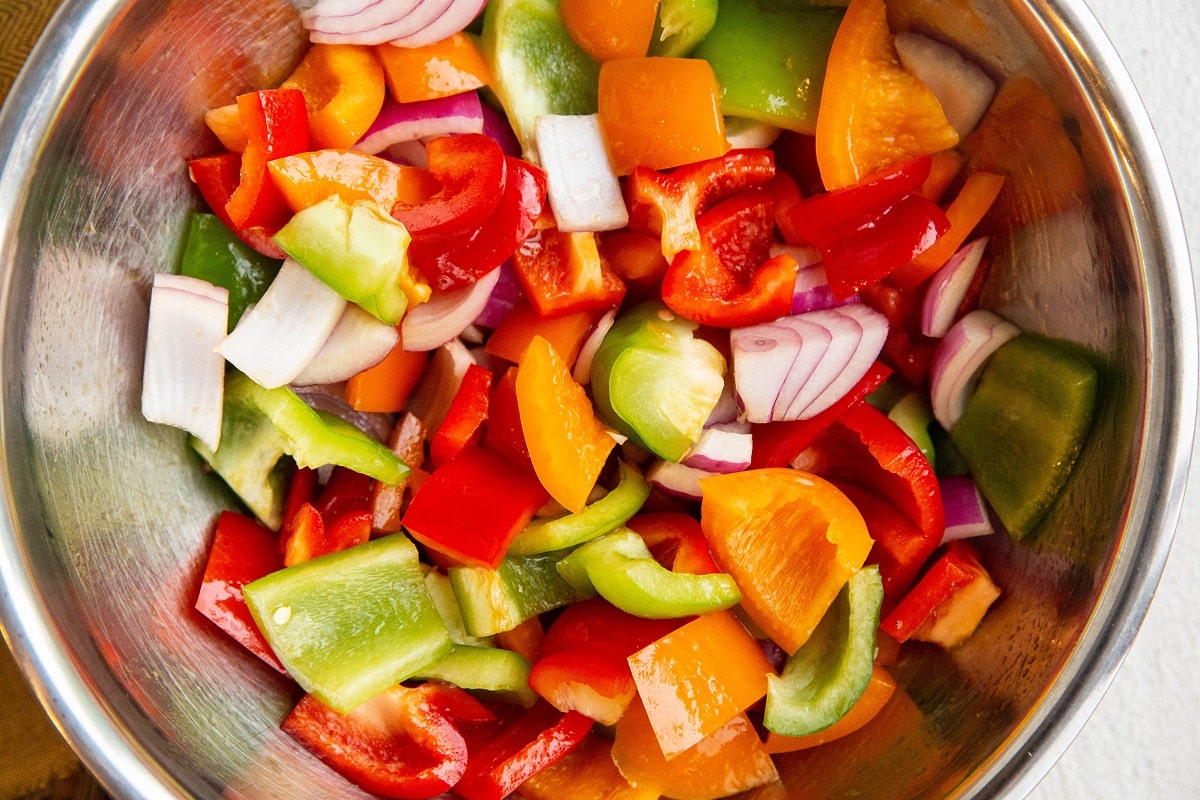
pixel 583 190
pixel 342 86
pixel 448 67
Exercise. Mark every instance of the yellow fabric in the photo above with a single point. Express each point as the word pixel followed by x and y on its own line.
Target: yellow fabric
pixel 35 762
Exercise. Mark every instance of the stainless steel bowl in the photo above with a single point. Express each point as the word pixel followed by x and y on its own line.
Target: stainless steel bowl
pixel 108 517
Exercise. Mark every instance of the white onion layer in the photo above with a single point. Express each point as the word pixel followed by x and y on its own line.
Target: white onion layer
pixel 965 348
pixel 446 314
pixel 183 377
pixel 948 287
pixel 963 89
pixel 584 192
pixel 358 341
pixel 277 337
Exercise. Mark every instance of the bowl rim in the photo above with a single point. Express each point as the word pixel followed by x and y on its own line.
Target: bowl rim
pixel 127 769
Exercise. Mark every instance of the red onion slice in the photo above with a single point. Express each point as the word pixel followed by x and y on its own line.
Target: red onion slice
pixel 966 511
pixel 456 15
pixel 497 126
pixel 423 119
pixel 678 480
pixel 446 314
pixel 948 287
pixel 721 449
pixel 966 346
pixel 583 190
pixel 846 334
pixel 816 338
pixel 376 23
pixel 277 337
pixel 874 332
pixel 505 295
pixel 183 377
pixel 358 341
pixel 762 357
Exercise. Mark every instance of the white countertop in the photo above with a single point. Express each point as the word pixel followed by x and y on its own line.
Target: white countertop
pixel 1144 738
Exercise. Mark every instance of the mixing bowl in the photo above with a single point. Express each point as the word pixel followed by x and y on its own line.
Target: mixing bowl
pixel 108 517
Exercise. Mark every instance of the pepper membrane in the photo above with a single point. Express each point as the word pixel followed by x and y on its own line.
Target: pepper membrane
pixel 519 527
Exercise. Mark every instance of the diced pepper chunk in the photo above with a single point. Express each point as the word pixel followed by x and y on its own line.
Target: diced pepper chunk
pixel 343 91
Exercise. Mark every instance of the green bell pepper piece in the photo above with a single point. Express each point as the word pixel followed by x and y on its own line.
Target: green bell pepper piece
pixel 770 60
pixel 484 669
pixel 603 516
pixel 497 600
pixel 830 671
pixel 680 25
pixel 537 68
pixel 213 253
pixel 1023 427
pixel 914 416
pixel 655 382
pixel 359 251
pixel 620 568
pixel 350 624
pixel 259 426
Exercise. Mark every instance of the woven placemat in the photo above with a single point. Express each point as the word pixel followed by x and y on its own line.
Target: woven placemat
pixel 35 762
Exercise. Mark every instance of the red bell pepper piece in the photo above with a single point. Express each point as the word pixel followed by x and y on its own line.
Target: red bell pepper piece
pixel 796 154
pixel 867 232
pixel 669 204
pixel 243 550
pixel 276 125
pixel 473 506
pixel 506 755
pixel 676 540
pixel 217 179
pixel 565 272
pixel 901 548
pixel 731 281
pixel 463 421
pixel 453 262
pixel 906 349
pixel 776 444
pixel 471 169
pixel 583 665
pixel 402 743
pixel 866 448
pixel 957 569
pixel 504 433
pixel 338 518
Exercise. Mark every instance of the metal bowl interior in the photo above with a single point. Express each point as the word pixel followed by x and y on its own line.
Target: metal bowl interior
pixel 109 517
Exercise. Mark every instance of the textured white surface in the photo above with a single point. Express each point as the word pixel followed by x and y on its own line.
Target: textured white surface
pixel 1144 740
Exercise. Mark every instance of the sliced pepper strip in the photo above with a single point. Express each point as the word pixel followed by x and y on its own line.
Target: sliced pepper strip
pixel 957 569
pixel 668 204
pixel 217 179
pixel 565 272
pixel 465 417
pixel 730 282
pixel 402 743
pixel 470 168
pixel 620 567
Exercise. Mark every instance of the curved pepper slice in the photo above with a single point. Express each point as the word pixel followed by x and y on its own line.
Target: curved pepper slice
pixel 343 89
pixel 667 204
pixel 598 518
pixel 308 178
pixel 453 262
pixel 217 179
pixel 276 125
pixel 563 273
pixel 825 677
pixel 731 282
pixel 623 571
pixel 402 743
pixel 470 168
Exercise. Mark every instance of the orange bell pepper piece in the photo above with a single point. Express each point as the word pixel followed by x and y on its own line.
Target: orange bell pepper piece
pixel 660 112
pixel 790 540
pixel 730 761
pixel 306 179
pixel 452 66
pixel 343 89
pixel 386 386
pixel 609 29
pixel 586 771
pixel 226 124
pixel 698 678
pixel 518 328
pixel 873 113
pixel 567 444
pixel 872 701
pixel 965 211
